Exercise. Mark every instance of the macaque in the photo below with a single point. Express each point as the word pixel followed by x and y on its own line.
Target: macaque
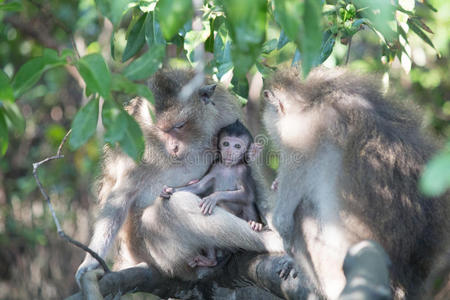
pixel 160 232
pixel 349 167
pixel 229 183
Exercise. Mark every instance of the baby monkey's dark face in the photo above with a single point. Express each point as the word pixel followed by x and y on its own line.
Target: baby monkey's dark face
pixel 232 149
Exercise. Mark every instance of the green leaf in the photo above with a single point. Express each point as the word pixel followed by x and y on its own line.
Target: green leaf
pixel 33 69
pixel 84 124
pixel 326 49
pixel 417 30
pixel 96 74
pixel 312 41
pixel 381 15
pixel 301 22
pixel 136 38
pixel 282 40
pixel 246 21
pixel 115 122
pixel 172 15
pixel 13 114
pixel 153 34
pixel 132 142
pixel 264 70
pixel 3 135
pixel 194 38
pixel 11 6
pixel 435 179
pixel 113 9
pixel 121 83
pixel 222 51
pixel 269 46
pixel 147 64
pixel 6 91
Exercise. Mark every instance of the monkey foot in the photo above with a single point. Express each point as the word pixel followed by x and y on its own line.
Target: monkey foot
pixel 202 261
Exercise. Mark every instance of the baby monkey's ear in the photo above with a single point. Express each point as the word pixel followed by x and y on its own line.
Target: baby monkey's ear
pixel 254 150
pixel 206 92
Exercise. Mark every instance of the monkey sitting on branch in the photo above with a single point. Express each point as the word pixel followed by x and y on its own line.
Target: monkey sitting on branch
pixel 350 161
pixel 228 184
pixel 131 210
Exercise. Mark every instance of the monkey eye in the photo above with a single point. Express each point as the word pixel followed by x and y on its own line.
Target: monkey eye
pixel 237 146
pixel 180 125
pixel 226 144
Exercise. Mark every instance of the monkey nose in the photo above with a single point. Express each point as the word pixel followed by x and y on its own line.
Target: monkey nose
pixel 175 149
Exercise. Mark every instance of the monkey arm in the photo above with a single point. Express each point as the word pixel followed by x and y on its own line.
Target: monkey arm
pixel 239 196
pixel 111 217
pixel 200 187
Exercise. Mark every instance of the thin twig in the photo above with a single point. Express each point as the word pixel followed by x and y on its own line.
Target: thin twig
pixel 348 50
pixel 61 232
pixel 199 77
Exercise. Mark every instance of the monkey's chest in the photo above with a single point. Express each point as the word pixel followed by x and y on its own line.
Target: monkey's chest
pixel 226 182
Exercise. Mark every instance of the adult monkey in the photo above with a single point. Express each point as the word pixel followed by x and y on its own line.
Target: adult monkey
pixel 349 168
pixel 167 233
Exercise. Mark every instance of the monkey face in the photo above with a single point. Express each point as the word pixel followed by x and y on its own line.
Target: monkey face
pixel 232 149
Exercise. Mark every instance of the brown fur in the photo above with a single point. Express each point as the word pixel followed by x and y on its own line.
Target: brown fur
pixel 168 233
pixel 343 145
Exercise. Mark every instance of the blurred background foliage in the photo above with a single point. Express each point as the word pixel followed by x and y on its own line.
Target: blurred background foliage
pixel 244 40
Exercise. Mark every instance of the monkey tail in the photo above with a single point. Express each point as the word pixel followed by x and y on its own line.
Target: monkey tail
pixel 221 229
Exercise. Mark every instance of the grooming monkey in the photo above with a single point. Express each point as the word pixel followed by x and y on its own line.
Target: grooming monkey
pixel 349 168
pixel 167 233
pixel 229 183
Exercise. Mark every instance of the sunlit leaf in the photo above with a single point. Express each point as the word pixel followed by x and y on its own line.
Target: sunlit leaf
pixel 96 74
pixel 3 135
pixel 6 91
pixel 417 30
pixel 172 15
pixel 194 38
pixel 381 14
pixel 435 179
pixel 269 46
pixel 136 38
pixel 84 124
pixel 147 64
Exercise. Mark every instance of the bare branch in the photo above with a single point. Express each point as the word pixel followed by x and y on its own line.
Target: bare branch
pixel 61 232
pixel 199 77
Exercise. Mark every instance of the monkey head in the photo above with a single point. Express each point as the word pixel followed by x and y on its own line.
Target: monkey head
pixel 236 145
pixel 182 126
pixel 293 116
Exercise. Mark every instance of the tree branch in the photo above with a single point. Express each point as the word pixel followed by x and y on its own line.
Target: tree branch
pixel 243 269
pixel 61 232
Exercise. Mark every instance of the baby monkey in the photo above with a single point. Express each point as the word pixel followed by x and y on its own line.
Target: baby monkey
pixel 228 184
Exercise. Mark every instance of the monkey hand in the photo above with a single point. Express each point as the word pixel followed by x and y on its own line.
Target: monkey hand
pixel 167 192
pixel 207 204
pixel 274 186
pixel 88 264
pixel 255 225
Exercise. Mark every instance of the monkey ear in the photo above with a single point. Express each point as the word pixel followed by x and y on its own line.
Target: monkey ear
pixel 270 97
pixel 254 150
pixel 206 92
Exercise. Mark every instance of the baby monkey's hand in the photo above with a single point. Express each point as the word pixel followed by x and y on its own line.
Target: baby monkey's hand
pixel 167 192
pixel 255 225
